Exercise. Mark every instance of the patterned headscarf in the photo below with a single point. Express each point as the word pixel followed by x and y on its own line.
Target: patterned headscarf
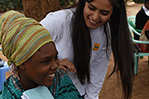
pixel 21 37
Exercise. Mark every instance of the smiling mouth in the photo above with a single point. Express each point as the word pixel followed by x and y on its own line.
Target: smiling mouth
pixel 51 76
pixel 92 21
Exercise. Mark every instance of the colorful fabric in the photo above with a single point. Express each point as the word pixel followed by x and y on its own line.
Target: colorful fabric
pixel 62 88
pixel 21 37
pixel 144 47
pixel 11 89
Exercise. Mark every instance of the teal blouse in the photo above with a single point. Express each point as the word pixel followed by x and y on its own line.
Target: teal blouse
pixel 62 88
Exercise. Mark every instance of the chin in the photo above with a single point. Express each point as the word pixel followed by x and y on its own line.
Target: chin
pixel 48 84
pixel 93 27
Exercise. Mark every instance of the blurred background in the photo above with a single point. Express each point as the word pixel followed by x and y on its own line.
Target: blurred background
pixel 38 9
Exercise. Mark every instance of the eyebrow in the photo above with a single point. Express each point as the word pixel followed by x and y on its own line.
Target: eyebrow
pixel 50 56
pixel 96 8
pixel 92 5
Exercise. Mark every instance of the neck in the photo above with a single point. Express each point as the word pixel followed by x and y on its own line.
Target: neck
pixel 26 83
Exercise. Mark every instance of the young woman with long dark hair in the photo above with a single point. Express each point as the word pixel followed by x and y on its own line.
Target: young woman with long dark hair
pixel 84 37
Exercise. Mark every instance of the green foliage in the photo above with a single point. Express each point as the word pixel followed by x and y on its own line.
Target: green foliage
pixel 10 4
pixel 139 1
pixel 67 2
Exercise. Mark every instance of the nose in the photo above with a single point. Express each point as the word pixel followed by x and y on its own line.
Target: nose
pixel 55 64
pixel 96 16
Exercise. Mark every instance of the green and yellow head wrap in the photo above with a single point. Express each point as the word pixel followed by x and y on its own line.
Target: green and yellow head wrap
pixel 21 37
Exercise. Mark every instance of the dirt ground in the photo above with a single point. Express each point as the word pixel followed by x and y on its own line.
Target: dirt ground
pixel 111 88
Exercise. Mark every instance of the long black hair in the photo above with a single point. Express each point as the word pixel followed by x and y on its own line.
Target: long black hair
pixel 122 47
pixel 120 43
pixel 145 1
pixel 81 40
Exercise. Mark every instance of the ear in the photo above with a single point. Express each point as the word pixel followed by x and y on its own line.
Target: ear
pixel 22 66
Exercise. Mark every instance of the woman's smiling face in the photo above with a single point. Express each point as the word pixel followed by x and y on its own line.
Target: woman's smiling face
pixel 97 13
pixel 41 67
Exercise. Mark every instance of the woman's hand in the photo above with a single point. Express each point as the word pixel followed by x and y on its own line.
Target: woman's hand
pixel 65 64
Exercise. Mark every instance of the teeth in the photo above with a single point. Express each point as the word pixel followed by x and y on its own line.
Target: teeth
pixel 52 75
pixel 92 21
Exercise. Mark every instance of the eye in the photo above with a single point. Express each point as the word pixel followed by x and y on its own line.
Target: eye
pixel 46 61
pixel 91 8
pixel 105 13
pixel 56 57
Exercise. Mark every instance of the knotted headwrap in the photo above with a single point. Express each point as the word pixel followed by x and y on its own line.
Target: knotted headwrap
pixel 21 37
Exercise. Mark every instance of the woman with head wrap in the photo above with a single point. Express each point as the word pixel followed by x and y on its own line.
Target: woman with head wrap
pixel 32 57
